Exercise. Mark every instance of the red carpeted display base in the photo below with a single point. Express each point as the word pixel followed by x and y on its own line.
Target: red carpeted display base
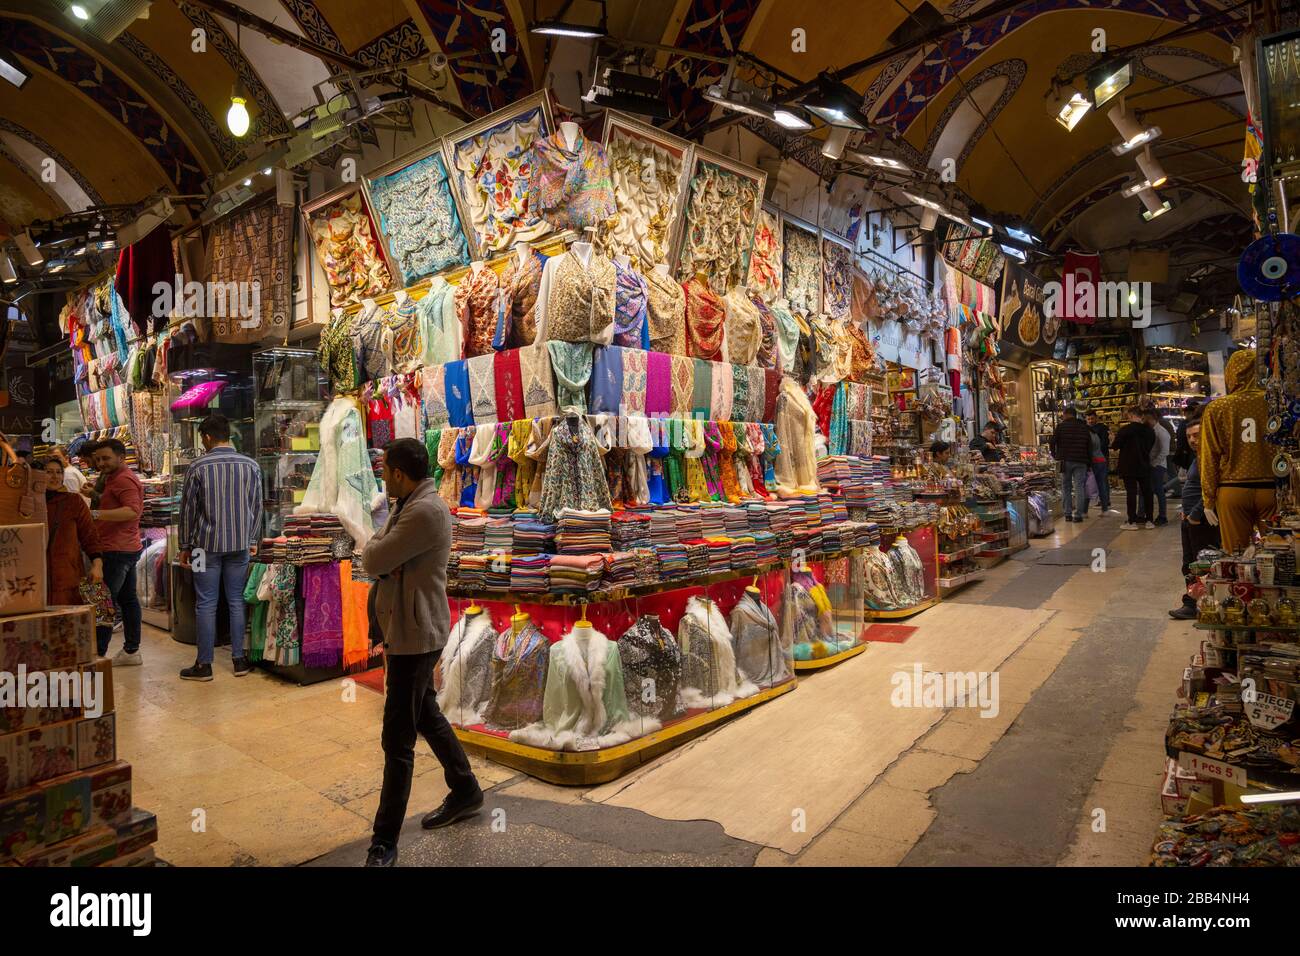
pixel 888 633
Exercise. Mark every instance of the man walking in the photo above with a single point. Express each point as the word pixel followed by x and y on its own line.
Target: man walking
pixel 409 559
pixel 1101 462
pixel 1134 442
pixel 1159 460
pixel 1072 447
pixel 220 526
pixel 117 525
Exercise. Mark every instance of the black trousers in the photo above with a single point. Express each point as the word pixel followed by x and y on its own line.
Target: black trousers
pixel 410 708
pixel 1139 511
pixel 1196 538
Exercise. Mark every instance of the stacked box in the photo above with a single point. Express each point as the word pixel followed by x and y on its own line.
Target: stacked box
pixel 65 798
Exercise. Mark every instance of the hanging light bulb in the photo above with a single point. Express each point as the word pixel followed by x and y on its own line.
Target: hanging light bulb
pixel 237 115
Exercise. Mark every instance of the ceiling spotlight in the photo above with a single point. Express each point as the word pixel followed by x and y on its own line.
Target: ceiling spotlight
pixel 79 12
pixel 237 115
pixel 1067 105
pixel 881 162
pixel 1133 188
pixel 1151 169
pixel 31 255
pixel 266 171
pixel 7 271
pixel 628 92
pixel 1013 252
pixel 746 101
pixel 557 26
pixel 1137 138
pixel 248 182
pixel 790 119
pixel 836 103
pixel 929 219
pixel 1154 207
pixel 1108 80
pixel 836 140
pixel 10 68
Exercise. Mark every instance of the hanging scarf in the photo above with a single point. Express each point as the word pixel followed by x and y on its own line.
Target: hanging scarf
pixel 659 377
pixel 683 385
pixel 727 461
pixel 437 312
pixel 630 297
pixel 433 394
pixel 456 394
pixel 507 378
pixel 580 303
pixel 482 387
pixel 771 392
pixel 571 188
pixel 721 391
pixel 702 394
pixel 739 394
pixel 744 327
pixel 607 380
pixel 787 337
pixel 666 308
pixel 476 309
pixel 634 382
pixel 538 382
pixel 525 467
pixel 571 363
pixel 322 618
pixel 518 299
pixel 704 320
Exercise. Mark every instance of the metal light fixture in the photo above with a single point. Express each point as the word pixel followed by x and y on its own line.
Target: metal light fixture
pixel 1067 105
pixel 788 118
pixel 557 26
pixel 1154 207
pixel 1108 80
pixel 836 103
pixel 738 100
pixel 836 140
pixel 880 162
pixel 237 116
pixel 1152 169
pixel 1133 188
pixel 10 68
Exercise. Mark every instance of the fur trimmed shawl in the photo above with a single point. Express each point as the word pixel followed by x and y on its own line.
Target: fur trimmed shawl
pixel 709 676
pixel 465 670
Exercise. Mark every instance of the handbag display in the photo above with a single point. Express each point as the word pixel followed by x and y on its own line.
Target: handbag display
pixel 22 489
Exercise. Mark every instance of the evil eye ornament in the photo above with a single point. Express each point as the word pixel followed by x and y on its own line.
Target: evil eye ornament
pixel 1281 465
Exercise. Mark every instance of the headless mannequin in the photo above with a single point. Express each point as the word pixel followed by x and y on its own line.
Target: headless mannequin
pixel 476 266
pixel 582 251
pixel 570 132
pixel 663 270
pixel 518 621
pixel 523 250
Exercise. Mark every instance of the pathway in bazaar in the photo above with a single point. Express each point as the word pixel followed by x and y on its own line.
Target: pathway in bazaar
pixel 257 771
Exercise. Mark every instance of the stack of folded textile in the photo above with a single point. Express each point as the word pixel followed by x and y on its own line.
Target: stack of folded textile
pixel 647 567
pixel 688 523
pixel 309 551
pixel 576 573
pixel 620 570
pixel 467 534
pixel 719 553
pixel 765 547
pixel 499 535
pixel 744 553
pixel 498 575
pixel 663 527
pixel 737 520
pixel 472 572
pixel 532 536
pixel 697 556
pixel 713 520
pixel 273 551
pixel 629 530
pixel 673 565
pixel 528 573
pixel 582 532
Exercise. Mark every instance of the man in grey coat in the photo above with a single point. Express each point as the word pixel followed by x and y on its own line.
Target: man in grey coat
pixel 409 559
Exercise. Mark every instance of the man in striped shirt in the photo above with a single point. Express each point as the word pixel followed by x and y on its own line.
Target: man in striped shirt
pixel 220 526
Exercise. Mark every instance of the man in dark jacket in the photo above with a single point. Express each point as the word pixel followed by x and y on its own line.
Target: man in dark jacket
pixel 1101 463
pixel 986 443
pixel 1072 447
pixel 409 558
pixel 1134 442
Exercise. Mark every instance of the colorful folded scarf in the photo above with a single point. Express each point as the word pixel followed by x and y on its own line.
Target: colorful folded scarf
pixel 659 382
pixel 508 380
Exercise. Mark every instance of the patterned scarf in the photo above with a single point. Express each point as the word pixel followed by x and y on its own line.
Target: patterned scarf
pixel 659 378
pixel 630 297
pixel 580 307
pixel 667 313
pixel 683 385
pixel 508 381
pixel 704 320
pixel 702 393
pixel 476 301
pixel 518 300
pixel 482 388
pixel 571 363
pixel 722 392
pixel 456 394
pixel 538 383
pixel 571 188
pixel 634 382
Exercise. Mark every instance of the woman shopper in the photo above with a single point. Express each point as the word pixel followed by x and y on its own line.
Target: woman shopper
pixel 73 540
pixel 1134 442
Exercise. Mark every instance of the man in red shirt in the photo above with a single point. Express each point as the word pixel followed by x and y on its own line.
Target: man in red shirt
pixel 117 523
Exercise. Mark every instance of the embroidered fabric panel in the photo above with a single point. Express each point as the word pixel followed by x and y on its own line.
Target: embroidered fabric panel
pixel 720 217
pixel 765 265
pixel 347 251
pixel 495 170
pixel 647 180
pixel 802 277
pixel 837 279
pixel 418 220
pixel 254 244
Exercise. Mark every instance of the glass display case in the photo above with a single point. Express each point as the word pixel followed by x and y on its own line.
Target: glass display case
pixel 193 395
pixel 289 401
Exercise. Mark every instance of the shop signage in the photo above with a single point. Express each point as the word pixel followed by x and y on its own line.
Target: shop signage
pixel 1268 712
pixel 1203 768
pixel 1025 316
pixel 1081 269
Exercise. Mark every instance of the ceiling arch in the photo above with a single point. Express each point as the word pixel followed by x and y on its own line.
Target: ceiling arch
pixel 9 127
pixel 967 118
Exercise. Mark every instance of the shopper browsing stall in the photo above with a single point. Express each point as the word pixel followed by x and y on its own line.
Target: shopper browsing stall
pixel 1197 532
pixel 1159 458
pixel 72 539
pixel 220 525
pixel 1072 448
pixel 1100 462
pixel 1134 442
pixel 409 557
pixel 117 524
pixel 1235 460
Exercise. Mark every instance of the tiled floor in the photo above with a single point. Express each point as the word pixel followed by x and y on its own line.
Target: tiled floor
pixel 258 771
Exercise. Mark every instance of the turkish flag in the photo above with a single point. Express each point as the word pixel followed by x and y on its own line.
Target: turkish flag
pixel 1079 304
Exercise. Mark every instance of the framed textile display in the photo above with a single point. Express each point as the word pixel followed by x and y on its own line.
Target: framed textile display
pixel 650 190
pixel 490 163
pixel 721 213
pixel 837 276
pixel 802 265
pixel 254 244
pixel 765 265
pixel 967 252
pixel 418 219
pixel 348 248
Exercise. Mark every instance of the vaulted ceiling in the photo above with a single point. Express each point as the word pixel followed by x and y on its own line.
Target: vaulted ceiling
pixel 116 122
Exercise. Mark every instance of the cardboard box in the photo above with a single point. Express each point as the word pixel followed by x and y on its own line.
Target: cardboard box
pixel 92 848
pixel 13 762
pixel 96 741
pixel 110 793
pixel 104 668
pixel 59 639
pixel 136 832
pixel 22 568
pixel 22 822
pixel 51 751
pixel 67 807
pixel 142 857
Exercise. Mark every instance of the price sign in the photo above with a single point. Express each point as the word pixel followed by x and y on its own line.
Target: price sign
pixel 1203 768
pixel 1268 712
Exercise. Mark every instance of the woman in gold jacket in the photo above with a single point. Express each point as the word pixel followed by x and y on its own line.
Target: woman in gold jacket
pixel 1236 460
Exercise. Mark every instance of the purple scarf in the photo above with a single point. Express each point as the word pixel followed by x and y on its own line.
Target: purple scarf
pixel 630 298
pixel 322 616
pixel 659 384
